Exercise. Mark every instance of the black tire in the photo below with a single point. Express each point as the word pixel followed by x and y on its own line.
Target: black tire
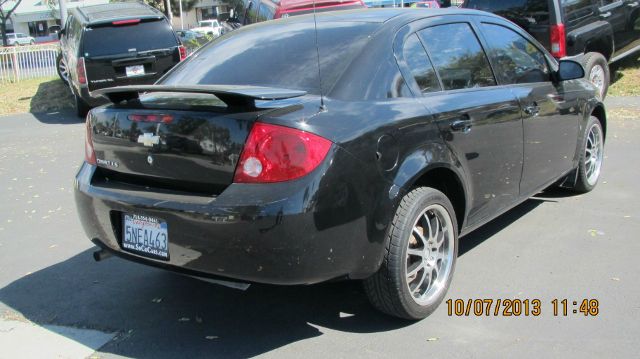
pixel 591 61
pixel 64 78
pixel 388 290
pixel 82 108
pixel 585 183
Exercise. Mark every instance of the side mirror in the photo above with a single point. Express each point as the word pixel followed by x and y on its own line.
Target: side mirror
pixel 60 33
pixel 569 70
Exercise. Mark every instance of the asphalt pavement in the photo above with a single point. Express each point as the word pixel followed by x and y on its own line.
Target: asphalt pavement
pixel 55 301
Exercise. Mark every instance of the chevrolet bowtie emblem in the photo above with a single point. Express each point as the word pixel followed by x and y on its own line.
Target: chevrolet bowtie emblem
pixel 148 139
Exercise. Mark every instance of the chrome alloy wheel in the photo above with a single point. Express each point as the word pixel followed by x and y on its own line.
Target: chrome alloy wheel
pixel 429 254
pixel 597 78
pixel 593 154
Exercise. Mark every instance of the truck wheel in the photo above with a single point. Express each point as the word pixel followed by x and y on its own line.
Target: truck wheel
pixel 420 257
pixel 591 157
pixel 596 69
pixel 63 70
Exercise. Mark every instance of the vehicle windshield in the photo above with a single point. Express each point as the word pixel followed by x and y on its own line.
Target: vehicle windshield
pixel 112 40
pixel 264 55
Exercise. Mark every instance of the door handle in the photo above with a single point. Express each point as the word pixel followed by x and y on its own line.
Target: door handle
pixel 532 110
pixel 462 124
pixel 605 15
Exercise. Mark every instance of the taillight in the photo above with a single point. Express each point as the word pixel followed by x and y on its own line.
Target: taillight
pixel 151 118
pixel 89 152
pixel 277 154
pixel 81 71
pixel 558 41
pixel 126 22
pixel 183 52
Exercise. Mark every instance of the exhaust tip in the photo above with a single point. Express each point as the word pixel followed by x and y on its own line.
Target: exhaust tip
pixel 101 255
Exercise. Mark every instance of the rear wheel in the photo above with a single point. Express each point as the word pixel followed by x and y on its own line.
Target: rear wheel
pixel 63 70
pixel 596 70
pixel 420 257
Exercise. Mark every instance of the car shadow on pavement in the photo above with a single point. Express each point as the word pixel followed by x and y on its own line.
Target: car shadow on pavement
pixel 477 237
pixel 58 117
pixel 159 314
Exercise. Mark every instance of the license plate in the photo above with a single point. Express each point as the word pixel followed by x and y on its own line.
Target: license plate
pixel 133 71
pixel 145 235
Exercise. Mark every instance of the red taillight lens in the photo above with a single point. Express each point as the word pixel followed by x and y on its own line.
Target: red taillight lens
pixel 558 41
pixel 277 154
pixel 151 118
pixel 89 152
pixel 81 71
pixel 183 52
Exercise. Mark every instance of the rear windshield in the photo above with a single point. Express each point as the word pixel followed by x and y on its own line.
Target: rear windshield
pixel 527 11
pixel 267 55
pixel 119 39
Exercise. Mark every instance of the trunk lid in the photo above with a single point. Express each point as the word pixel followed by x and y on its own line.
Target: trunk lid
pixel 192 144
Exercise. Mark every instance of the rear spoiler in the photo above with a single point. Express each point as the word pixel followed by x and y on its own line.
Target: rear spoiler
pixel 232 95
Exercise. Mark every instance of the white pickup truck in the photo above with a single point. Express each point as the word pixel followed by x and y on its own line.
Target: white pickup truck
pixel 209 27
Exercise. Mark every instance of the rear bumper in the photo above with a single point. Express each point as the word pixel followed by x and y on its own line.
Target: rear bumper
pixel 277 233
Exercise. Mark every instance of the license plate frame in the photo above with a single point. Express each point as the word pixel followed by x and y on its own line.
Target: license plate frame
pixel 135 71
pixel 145 235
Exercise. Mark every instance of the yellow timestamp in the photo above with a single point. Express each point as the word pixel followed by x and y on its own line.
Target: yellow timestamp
pixel 520 307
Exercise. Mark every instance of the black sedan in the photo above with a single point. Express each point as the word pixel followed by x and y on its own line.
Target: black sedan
pixel 363 151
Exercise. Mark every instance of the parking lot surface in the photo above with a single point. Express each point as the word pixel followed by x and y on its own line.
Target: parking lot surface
pixel 55 301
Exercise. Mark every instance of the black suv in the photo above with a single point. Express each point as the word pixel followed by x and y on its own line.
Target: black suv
pixel 603 31
pixel 114 44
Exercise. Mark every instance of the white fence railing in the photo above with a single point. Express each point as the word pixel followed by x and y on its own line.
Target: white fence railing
pixel 19 63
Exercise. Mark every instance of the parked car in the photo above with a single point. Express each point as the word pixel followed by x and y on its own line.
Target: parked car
pixel 365 157
pixel 17 39
pixel 209 27
pixel 252 11
pixel 114 44
pixel 599 31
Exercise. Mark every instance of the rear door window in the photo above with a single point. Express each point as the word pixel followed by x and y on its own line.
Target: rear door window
pixel 421 68
pixel 516 59
pixel 122 39
pixel 575 10
pixel 457 56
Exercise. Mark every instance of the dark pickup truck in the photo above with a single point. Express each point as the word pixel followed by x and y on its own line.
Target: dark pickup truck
pixel 600 32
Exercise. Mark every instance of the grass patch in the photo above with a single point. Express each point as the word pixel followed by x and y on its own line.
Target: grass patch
pixel 626 77
pixel 35 95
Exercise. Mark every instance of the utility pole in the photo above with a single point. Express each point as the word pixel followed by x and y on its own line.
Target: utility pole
pixel 181 21
pixel 167 7
pixel 63 12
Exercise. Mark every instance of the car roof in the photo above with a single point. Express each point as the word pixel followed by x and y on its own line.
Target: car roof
pixel 383 15
pixel 294 4
pixel 100 14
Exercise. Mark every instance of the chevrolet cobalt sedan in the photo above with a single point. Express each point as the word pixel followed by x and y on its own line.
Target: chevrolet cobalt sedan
pixel 362 148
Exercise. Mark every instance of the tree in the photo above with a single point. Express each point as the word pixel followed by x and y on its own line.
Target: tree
pixel 187 5
pixel 6 10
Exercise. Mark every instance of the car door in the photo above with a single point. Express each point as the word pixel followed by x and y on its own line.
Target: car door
pixel 479 121
pixel 550 115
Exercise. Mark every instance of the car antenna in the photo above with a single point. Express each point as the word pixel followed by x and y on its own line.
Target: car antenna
pixel 323 108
